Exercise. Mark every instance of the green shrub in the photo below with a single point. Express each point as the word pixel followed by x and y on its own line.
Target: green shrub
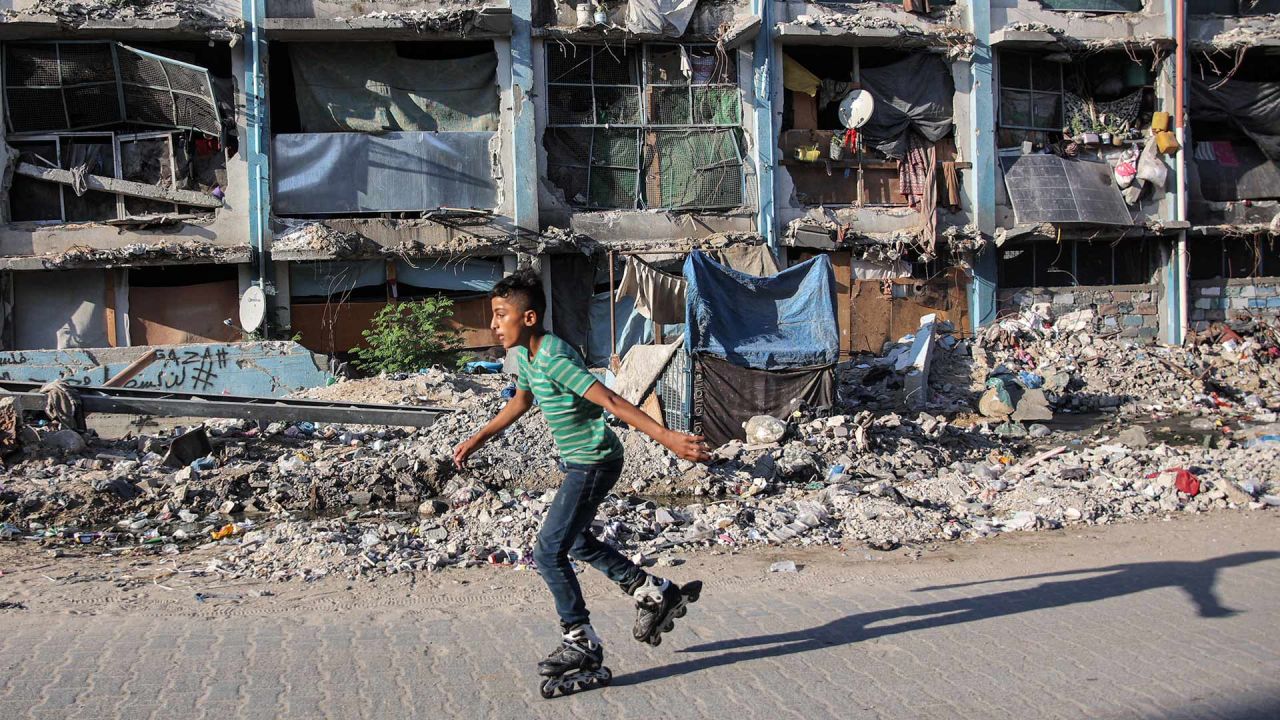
pixel 409 336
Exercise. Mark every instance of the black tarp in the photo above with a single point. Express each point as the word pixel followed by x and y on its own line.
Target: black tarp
pixel 726 396
pixel 910 94
pixel 573 285
pixel 1254 107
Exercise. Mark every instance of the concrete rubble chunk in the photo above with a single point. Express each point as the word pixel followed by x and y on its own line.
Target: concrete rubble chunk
pixel 68 441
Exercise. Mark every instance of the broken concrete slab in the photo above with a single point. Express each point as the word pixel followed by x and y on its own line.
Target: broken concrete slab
pixel 1033 406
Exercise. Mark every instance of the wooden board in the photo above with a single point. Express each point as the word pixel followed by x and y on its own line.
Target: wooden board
pixel 877 318
pixel 184 314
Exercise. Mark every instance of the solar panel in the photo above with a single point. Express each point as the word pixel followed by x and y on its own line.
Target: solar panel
pixel 1053 189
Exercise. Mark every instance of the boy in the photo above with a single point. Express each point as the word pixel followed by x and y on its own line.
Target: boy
pixel 592 457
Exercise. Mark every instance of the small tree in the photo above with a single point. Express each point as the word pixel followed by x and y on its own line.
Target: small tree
pixel 409 336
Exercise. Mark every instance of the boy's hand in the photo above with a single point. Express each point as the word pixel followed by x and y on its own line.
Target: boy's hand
pixel 687 447
pixel 464 450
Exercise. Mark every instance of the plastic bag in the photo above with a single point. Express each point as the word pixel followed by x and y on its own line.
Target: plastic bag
pixel 1126 169
pixel 1151 168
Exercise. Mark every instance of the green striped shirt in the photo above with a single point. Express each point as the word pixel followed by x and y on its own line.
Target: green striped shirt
pixel 558 378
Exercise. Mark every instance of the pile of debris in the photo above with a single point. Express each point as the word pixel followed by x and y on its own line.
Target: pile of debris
pixel 1032 366
pixel 300 501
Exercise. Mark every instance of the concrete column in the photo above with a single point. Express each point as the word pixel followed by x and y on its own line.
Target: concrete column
pixel 524 147
pixel 762 81
pixel 982 148
pixel 257 146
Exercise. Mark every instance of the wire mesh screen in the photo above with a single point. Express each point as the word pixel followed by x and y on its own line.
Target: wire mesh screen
pixel 673 391
pixel 695 169
pixel 596 167
pixel 83 85
pixel 644 127
pixel 160 91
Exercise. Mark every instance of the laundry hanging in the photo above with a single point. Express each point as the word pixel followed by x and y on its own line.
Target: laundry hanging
pixel 659 296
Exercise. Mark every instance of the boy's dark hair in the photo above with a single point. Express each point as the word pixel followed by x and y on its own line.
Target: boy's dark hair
pixel 523 287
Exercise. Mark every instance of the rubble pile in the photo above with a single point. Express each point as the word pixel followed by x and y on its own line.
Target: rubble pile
pixel 1080 365
pixel 302 502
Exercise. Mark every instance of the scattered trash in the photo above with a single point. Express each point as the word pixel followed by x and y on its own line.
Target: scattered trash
pixel 784 566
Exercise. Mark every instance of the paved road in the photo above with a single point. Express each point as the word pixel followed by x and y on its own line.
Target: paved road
pixel 1156 620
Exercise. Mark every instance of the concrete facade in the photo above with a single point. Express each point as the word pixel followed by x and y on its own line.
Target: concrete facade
pixel 533 217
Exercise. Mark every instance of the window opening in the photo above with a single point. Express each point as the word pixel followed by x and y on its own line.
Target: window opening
pixel 654 126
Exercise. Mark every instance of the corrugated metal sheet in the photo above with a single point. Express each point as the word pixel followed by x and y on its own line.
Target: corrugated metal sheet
pixel 344 173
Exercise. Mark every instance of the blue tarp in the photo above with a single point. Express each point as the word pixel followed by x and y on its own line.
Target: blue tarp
pixel 786 320
pixel 633 329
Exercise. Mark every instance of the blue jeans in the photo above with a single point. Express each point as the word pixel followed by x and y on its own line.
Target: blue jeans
pixel 566 531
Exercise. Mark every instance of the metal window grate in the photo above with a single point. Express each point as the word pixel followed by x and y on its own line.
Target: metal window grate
pixel 671 141
pixel 60 86
pixel 673 391
pixel 696 169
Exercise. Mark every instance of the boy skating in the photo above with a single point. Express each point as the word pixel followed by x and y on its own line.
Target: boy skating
pixel 573 403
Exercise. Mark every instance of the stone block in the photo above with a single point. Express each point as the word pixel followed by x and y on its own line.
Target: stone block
pixel 1110 322
pixel 1257 302
pixel 1239 303
pixel 1148 333
pixel 1141 297
pixel 1131 321
pixel 1202 304
pixel 1209 291
pixel 1150 320
pixel 1145 309
pixel 1249 291
pixel 1232 291
pixel 1108 309
pixel 1267 290
pixel 1064 299
pixel 1273 302
pixel 1198 313
pixel 1129 332
pixel 1122 296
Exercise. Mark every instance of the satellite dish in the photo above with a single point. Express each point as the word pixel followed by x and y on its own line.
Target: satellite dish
pixel 253 308
pixel 856 109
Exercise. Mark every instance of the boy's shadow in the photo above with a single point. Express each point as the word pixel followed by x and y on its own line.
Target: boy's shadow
pixel 1195 578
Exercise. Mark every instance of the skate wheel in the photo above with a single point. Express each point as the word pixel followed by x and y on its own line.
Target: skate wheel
pixel 606 676
pixel 656 641
pixel 681 611
pixel 668 627
pixel 547 689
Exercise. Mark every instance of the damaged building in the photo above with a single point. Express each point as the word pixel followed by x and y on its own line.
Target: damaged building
pixel 942 157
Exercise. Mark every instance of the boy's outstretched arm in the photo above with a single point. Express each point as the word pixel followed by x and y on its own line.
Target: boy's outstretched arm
pixel 518 405
pixel 689 447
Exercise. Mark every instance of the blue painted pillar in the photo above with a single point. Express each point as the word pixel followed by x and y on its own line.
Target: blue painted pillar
pixel 1175 280
pixel 257 141
pixel 982 148
pixel 762 71
pixel 524 152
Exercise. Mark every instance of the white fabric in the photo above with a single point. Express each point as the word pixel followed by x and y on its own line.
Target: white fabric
pixel 659 296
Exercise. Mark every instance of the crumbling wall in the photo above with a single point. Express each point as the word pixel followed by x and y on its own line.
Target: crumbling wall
pixel 1233 299
pixel 1130 311
pixel 340 10
pixel 710 18
pixel 1150 22
pixel 944 25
